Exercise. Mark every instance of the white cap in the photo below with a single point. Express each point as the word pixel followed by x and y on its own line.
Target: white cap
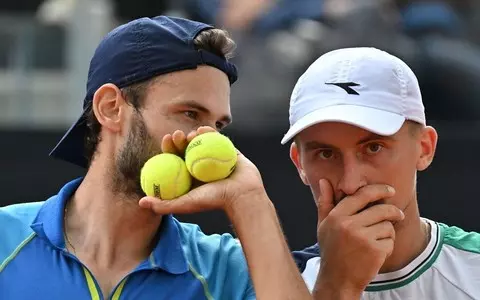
pixel 364 87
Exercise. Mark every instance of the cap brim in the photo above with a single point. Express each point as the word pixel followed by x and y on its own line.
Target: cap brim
pixel 71 146
pixel 374 120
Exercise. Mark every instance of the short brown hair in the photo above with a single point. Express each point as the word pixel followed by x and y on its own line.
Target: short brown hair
pixel 216 41
pixel 414 128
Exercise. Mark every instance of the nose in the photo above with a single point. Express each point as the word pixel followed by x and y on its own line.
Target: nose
pixel 210 123
pixel 353 177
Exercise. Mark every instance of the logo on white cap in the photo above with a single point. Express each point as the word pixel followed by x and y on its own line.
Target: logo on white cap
pixel 364 87
pixel 347 86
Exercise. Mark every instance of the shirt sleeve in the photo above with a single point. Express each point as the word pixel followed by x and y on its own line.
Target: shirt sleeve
pixel 219 260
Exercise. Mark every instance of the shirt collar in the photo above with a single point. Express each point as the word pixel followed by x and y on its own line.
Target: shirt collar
pixel 167 255
pixel 49 222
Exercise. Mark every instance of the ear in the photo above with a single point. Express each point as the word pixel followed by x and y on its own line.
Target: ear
pixel 428 144
pixel 295 157
pixel 109 107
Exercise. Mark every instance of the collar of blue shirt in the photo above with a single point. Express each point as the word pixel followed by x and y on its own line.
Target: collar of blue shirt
pixel 168 254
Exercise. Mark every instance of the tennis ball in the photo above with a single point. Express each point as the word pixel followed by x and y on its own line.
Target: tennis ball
pixel 165 176
pixel 210 156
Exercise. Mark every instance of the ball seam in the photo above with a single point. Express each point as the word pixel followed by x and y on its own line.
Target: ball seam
pixel 192 165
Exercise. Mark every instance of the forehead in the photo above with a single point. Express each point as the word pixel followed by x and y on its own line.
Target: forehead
pixel 336 133
pixel 327 129
pixel 205 84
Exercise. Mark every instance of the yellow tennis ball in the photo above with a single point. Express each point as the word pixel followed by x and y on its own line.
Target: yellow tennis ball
pixel 165 176
pixel 210 156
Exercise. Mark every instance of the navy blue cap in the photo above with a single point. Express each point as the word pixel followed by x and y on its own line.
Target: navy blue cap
pixel 134 52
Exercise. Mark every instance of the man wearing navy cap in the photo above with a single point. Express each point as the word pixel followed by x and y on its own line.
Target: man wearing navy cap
pixel 153 84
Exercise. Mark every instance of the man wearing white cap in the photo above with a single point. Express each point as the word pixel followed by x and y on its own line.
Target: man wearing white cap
pixel 359 137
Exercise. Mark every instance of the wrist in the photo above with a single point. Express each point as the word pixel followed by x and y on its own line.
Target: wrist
pixel 327 289
pixel 248 204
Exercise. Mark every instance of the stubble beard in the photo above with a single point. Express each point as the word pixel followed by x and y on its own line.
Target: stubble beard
pixel 137 149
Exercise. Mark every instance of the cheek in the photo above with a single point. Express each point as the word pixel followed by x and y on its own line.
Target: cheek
pixel 400 173
pixel 161 121
pixel 314 172
pixel 162 126
pixel 315 192
pixel 316 169
pixel 312 176
pixel 178 121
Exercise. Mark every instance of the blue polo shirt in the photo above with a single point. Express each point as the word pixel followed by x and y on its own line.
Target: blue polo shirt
pixel 185 264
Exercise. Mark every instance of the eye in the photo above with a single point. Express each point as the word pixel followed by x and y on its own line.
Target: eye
pixel 325 154
pixel 191 114
pixel 374 148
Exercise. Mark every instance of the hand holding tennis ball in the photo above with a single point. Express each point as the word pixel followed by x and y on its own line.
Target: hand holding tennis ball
pixel 238 189
pixel 210 156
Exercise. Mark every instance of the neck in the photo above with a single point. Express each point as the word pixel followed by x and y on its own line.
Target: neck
pixel 106 227
pixel 411 238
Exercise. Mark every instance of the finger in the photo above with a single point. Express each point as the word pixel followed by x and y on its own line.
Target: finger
pixel 179 141
pixel 204 129
pixel 167 145
pixel 192 202
pixel 174 206
pixel 380 231
pixel 350 205
pixel 377 214
pixel 386 246
pixel 191 136
pixel 200 130
pixel 325 200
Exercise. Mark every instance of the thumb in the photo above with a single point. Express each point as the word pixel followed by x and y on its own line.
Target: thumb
pixel 325 200
pixel 193 202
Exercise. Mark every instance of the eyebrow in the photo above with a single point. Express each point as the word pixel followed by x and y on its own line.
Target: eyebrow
pixel 312 145
pixel 194 104
pixel 373 136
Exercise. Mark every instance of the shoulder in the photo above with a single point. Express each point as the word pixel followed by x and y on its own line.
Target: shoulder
pixel 22 211
pixel 460 239
pixel 459 260
pixel 200 246
pixel 193 236
pixel 15 230
pixel 219 260
pixel 301 257
pixel 308 263
pixel 16 219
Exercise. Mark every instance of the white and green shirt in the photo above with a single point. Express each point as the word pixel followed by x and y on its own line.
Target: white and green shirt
pixel 448 269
